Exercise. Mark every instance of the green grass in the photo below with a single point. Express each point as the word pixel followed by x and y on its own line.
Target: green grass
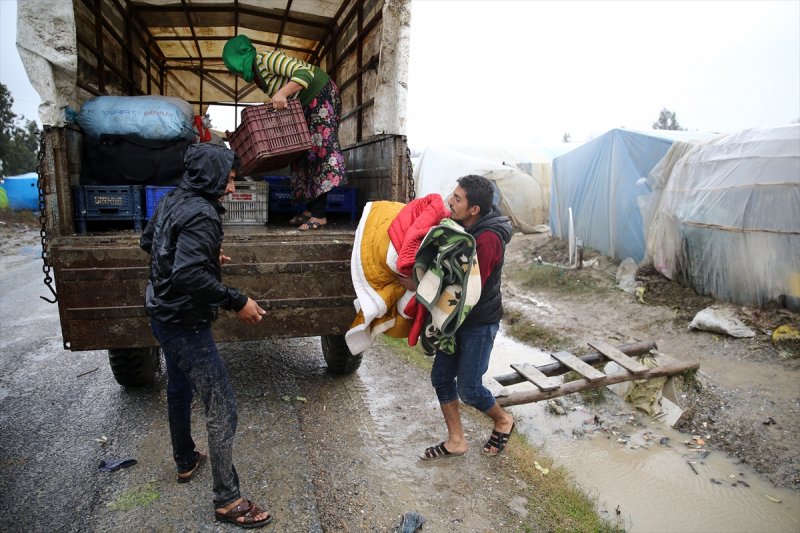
pixel 555 502
pixel 412 354
pixel 589 396
pixel 140 496
pixel 522 329
pixel 545 276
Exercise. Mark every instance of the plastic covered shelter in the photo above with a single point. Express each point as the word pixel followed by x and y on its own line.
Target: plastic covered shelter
pixel 601 180
pixel 727 222
pixel 22 192
pixel 521 177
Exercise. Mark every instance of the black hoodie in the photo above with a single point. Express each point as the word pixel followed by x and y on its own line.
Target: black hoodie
pixel 184 238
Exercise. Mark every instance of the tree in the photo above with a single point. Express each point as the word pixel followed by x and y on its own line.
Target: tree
pixel 667 121
pixel 567 137
pixel 19 139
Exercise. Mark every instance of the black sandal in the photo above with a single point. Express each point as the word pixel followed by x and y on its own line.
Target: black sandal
pixel 311 225
pixel 433 453
pixel 498 440
pixel 298 220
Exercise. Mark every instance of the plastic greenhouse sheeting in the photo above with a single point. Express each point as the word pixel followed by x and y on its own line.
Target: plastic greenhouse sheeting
pixel 601 181
pixel 521 177
pixel 728 220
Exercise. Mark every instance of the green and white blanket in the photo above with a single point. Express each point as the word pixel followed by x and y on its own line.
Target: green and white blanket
pixel 446 269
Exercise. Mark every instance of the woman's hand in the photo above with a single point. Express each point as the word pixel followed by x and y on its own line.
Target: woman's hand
pixel 279 101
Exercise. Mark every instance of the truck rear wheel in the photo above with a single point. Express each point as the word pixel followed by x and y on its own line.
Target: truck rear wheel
pixel 135 367
pixel 338 356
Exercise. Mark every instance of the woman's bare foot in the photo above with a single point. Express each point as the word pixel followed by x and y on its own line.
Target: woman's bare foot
pixel 313 223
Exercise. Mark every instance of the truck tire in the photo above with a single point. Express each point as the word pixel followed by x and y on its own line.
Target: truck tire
pixel 135 367
pixel 338 356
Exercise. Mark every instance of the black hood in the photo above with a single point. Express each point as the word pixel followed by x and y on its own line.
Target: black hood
pixel 206 168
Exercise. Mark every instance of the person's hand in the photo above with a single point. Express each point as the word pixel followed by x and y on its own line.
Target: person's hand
pixel 407 282
pixel 251 313
pixel 223 258
pixel 279 101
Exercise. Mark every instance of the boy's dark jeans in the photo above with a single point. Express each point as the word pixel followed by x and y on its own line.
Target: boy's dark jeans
pixel 194 365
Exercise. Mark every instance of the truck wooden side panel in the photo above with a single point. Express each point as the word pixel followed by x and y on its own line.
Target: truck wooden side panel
pixel 302 279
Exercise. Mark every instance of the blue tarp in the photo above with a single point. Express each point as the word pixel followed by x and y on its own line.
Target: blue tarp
pixel 22 191
pixel 600 181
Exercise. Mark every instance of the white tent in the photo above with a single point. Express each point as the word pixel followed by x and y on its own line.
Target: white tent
pixel 521 176
pixel 727 222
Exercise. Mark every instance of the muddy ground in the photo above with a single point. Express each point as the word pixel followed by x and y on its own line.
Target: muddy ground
pixel 746 396
pixel 360 436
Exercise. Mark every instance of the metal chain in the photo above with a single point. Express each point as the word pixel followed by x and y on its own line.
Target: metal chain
pixel 42 221
pixel 410 171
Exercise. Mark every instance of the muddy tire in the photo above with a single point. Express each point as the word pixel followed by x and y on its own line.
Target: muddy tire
pixel 338 356
pixel 135 367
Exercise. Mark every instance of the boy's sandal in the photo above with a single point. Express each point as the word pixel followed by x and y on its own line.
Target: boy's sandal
pixel 310 225
pixel 186 477
pixel 247 510
pixel 432 453
pixel 498 440
pixel 298 219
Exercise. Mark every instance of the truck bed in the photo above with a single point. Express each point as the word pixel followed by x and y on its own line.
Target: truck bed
pixel 302 280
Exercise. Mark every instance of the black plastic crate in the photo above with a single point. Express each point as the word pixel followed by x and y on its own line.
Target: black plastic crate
pixel 121 203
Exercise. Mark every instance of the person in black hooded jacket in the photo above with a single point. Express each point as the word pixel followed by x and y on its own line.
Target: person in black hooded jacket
pixel 185 292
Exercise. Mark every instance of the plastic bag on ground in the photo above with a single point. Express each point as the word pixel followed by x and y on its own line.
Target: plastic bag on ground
pixel 721 319
pixel 626 275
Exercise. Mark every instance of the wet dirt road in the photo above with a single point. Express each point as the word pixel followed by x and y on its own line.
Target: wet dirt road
pixel 322 453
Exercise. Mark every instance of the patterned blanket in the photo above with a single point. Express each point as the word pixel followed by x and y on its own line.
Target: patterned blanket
pixel 446 268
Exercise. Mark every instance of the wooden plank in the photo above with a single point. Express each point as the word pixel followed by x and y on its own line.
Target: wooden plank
pixel 518 398
pixel 532 374
pixel 618 357
pixel 587 371
pixel 557 368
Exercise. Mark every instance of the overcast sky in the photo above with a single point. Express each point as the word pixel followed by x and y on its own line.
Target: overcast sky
pixel 536 70
pixel 531 71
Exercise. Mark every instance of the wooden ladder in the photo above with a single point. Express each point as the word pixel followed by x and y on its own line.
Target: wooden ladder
pixel 548 386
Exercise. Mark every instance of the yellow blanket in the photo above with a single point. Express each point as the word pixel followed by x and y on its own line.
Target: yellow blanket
pixel 380 298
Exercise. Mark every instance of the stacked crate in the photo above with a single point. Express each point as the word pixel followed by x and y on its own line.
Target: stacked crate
pixel 248 204
pixel 115 203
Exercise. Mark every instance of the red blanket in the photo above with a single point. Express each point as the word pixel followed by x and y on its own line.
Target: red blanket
pixel 411 225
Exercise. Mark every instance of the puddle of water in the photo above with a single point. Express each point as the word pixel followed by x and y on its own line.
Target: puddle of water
pixel 653 486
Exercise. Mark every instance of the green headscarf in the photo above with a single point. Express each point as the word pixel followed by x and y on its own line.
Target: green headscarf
pixel 238 56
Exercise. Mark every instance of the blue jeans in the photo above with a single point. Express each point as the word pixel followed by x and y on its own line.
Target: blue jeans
pixel 195 366
pixel 460 375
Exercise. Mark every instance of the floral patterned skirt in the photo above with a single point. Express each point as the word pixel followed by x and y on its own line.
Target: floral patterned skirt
pixel 321 168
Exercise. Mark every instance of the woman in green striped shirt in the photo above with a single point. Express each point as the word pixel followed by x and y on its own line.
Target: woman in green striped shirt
pixel 282 77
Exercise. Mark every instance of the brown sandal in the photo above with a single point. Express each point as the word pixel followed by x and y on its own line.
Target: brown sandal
pixel 186 477
pixel 247 510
